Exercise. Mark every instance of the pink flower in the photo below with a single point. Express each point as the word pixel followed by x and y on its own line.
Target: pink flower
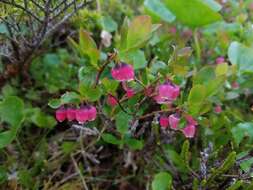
pixel 61 114
pixel 190 120
pixel 86 113
pixel 218 109
pixel 92 113
pixel 111 100
pixel 71 114
pixel 251 6
pixel 123 72
pixel 173 30
pixel 220 60
pixel 189 131
pixel 167 92
pixel 174 121
pixel 164 121
pixel 130 92
pixel 235 85
pixel 82 115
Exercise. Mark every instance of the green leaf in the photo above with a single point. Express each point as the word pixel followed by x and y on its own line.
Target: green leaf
pixel 246 165
pixel 85 41
pixel 87 75
pixel 204 75
pixel 139 31
pixel 227 164
pixel 134 144
pixel 12 110
pixel 214 86
pixel 3 175
pixel 54 103
pixel 109 24
pixel 162 181
pixel 51 59
pixel 25 178
pixel 235 185
pixel 185 152
pixel 175 158
pixel 86 47
pixel 70 97
pixel 136 58
pixel 7 137
pixel 241 130
pixel 3 29
pixel 68 147
pixel 109 138
pixel 123 34
pixel 157 8
pixel 213 5
pixel 89 92
pixel 242 56
pixel 196 99
pixel 42 120
pixel 221 69
pixel 110 85
pixel 122 122
pixel 193 13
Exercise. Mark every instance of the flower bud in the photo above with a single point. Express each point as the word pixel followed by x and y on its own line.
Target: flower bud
pixel 220 60
pixel 111 100
pixel 164 121
pixel 174 121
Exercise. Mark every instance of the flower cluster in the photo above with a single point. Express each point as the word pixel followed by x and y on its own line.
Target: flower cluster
pixel 82 114
pixel 173 122
pixel 165 93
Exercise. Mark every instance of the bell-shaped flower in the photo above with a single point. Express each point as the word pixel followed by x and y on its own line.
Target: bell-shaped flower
pixel 167 92
pixel 189 131
pixel 61 114
pixel 174 121
pixel 164 121
pixel 123 72
pixel 71 114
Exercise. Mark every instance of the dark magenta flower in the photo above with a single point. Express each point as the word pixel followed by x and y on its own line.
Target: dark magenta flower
pixel 174 121
pixel 71 114
pixel 61 114
pixel 164 121
pixel 123 72
pixel 189 131
pixel 167 92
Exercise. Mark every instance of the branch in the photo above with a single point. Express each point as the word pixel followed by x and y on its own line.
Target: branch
pixel 65 18
pixel 22 8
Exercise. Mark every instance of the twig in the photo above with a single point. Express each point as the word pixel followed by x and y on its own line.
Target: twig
pixel 79 172
pixel 22 8
pixel 156 112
